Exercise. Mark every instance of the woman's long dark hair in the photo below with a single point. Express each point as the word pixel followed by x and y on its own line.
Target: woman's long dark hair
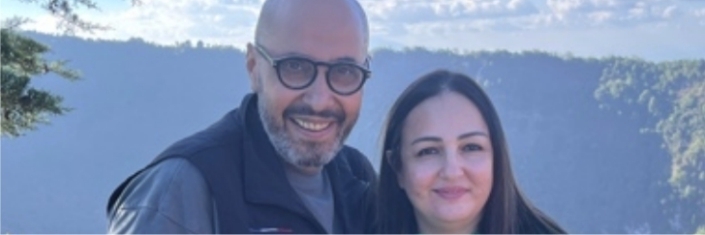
pixel 506 211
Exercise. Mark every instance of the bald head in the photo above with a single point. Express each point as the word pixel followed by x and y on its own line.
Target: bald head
pixel 283 19
pixel 334 34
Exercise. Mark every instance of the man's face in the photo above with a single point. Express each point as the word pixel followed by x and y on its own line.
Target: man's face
pixel 308 126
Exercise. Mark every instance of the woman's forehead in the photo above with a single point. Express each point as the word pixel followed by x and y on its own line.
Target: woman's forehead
pixel 448 115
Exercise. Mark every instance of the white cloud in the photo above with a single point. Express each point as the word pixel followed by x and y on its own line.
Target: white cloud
pixel 669 12
pixel 700 15
pixel 232 21
pixel 699 12
pixel 455 23
pixel 443 17
pixel 612 12
pixel 412 11
pixel 433 23
pixel 214 21
pixel 600 16
pixel 170 21
pixel 654 43
pixel 394 17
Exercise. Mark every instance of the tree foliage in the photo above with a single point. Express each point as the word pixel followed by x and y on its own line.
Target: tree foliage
pixel 673 95
pixel 23 106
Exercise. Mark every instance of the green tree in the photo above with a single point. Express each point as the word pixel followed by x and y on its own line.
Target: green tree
pixel 673 95
pixel 23 106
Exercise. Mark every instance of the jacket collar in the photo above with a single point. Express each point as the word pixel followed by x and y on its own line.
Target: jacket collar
pixel 344 185
pixel 264 178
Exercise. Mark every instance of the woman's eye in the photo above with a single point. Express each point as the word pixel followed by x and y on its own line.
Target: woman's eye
pixel 472 147
pixel 427 151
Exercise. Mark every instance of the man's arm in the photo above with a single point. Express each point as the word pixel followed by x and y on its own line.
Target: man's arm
pixel 171 197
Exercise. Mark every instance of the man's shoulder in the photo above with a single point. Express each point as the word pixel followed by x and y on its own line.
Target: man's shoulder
pixel 353 154
pixel 352 151
pixel 176 163
pixel 158 197
pixel 224 134
pixel 153 186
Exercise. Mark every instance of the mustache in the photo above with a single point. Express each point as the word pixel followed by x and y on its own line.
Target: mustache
pixel 307 110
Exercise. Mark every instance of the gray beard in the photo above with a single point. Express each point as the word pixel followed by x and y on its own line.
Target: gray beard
pixel 298 153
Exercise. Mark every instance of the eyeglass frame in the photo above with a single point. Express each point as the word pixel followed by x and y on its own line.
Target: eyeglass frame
pixel 366 73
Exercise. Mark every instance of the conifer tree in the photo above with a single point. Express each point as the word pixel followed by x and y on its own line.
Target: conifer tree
pixel 23 106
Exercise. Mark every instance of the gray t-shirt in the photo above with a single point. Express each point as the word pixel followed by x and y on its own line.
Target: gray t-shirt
pixel 316 193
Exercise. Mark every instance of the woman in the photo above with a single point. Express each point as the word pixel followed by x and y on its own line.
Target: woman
pixel 446 165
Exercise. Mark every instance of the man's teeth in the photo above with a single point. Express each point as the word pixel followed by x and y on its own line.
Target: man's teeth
pixel 312 126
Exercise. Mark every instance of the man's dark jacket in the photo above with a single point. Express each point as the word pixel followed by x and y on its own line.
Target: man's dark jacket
pixel 247 183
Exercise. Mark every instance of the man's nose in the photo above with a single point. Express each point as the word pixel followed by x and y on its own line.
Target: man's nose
pixel 319 96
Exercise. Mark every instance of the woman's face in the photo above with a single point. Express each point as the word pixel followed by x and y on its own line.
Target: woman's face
pixel 446 156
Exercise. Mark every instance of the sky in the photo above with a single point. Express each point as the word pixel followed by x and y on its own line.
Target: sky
pixel 651 29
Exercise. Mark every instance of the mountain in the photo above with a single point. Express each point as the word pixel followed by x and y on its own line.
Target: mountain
pixel 590 169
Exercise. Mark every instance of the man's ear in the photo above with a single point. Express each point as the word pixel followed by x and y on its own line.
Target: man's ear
pixel 251 66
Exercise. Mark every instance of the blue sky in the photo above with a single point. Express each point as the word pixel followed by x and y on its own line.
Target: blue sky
pixel 651 29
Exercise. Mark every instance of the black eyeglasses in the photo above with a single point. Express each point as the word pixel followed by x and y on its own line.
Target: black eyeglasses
pixel 297 73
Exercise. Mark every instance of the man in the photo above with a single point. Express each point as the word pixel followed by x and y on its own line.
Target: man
pixel 276 164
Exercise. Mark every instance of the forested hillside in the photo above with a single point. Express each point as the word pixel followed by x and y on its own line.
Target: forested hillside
pixel 603 145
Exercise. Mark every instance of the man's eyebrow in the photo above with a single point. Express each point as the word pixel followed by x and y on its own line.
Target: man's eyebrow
pixel 344 59
pixel 292 54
